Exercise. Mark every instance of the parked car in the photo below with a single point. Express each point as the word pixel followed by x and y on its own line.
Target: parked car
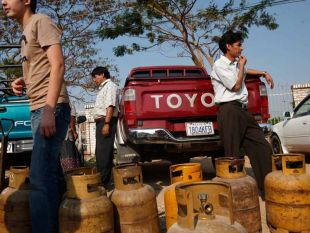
pixel 169 112
pixel 293 134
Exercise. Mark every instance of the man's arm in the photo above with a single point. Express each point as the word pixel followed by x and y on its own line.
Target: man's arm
pixel 73 127
pixel 107 120
pixel 55 57
pixel 265 74
pixel 238 85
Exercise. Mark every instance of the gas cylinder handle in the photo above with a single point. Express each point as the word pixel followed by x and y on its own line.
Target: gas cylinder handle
pixel 128 176
pixel 235 168
pixel 130 180
pixel 176 173
pixel 186 217
pixel 82 185
pixel 188 214
pixel 19 177
pixel 185 172
pixel 293 164
pixel 92 187
pixel 89 186
pixel 236 165
pixel 276 162
pixel 230 167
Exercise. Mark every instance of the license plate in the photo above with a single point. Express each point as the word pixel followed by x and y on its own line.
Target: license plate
pixel 199 128
pixel 9 148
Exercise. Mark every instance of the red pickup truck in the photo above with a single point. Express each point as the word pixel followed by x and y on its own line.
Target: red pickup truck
pixel 169 112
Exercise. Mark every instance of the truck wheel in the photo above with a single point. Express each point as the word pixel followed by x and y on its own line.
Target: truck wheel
pixel 276 145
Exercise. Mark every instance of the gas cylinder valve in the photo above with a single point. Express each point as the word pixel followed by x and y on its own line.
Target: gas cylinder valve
pixel 206 208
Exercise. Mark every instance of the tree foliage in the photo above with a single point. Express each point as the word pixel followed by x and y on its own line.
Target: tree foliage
pixel 79 20
pixel 275 120
pixel 190 25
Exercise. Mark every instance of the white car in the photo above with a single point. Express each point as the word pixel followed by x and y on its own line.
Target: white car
pixel 293 134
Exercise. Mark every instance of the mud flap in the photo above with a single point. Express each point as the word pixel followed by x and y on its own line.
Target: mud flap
pixel 124 154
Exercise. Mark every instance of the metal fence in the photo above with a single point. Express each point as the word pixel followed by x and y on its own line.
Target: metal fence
pixel 280 100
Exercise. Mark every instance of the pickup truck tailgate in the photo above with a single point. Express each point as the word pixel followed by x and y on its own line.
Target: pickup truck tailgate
pixel 162 99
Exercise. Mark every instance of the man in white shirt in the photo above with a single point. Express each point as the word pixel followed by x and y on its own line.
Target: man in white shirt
pixel 237 127
pixel 105 115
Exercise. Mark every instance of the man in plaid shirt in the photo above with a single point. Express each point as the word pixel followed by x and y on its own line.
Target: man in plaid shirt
pixel 105 115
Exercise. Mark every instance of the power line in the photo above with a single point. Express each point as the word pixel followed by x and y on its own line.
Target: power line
pixel 274 3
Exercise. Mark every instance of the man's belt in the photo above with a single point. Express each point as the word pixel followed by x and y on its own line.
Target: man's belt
pixel 235 102
pixel 99 119
pixel 102 119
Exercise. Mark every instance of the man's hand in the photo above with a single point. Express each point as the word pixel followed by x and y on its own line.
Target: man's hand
pixel 105 130
pixel 17 86
pixel 269 80
pixel 47 124
pixel 242 60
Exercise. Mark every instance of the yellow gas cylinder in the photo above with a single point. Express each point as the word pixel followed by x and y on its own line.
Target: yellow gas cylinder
pixel 205 207
pixel 135 202
pixel 185 172
pixel 84 209
pixel 244 192
pixel 287 194
pixel 14 204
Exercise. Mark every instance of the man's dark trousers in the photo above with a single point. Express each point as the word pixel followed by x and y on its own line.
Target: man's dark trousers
pixel 238 128
pixel 104 150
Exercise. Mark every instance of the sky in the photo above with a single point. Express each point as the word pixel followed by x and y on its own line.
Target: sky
pixel 283 52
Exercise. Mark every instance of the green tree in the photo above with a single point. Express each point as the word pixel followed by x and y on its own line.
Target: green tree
pixel 190 25
pixel 79 21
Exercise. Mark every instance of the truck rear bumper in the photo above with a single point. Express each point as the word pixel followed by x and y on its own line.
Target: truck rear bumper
pixel 19 146
pixel 163 136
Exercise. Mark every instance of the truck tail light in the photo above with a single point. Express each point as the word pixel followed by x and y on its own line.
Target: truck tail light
pixel 130 106
pixel 262 89
pixel 130 95
pixel 264 103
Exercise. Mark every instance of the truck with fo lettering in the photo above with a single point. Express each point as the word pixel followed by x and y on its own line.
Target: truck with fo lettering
pixel 169 112
pixel 16 109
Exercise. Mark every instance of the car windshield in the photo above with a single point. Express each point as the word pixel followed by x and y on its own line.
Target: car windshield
pixel 303 109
